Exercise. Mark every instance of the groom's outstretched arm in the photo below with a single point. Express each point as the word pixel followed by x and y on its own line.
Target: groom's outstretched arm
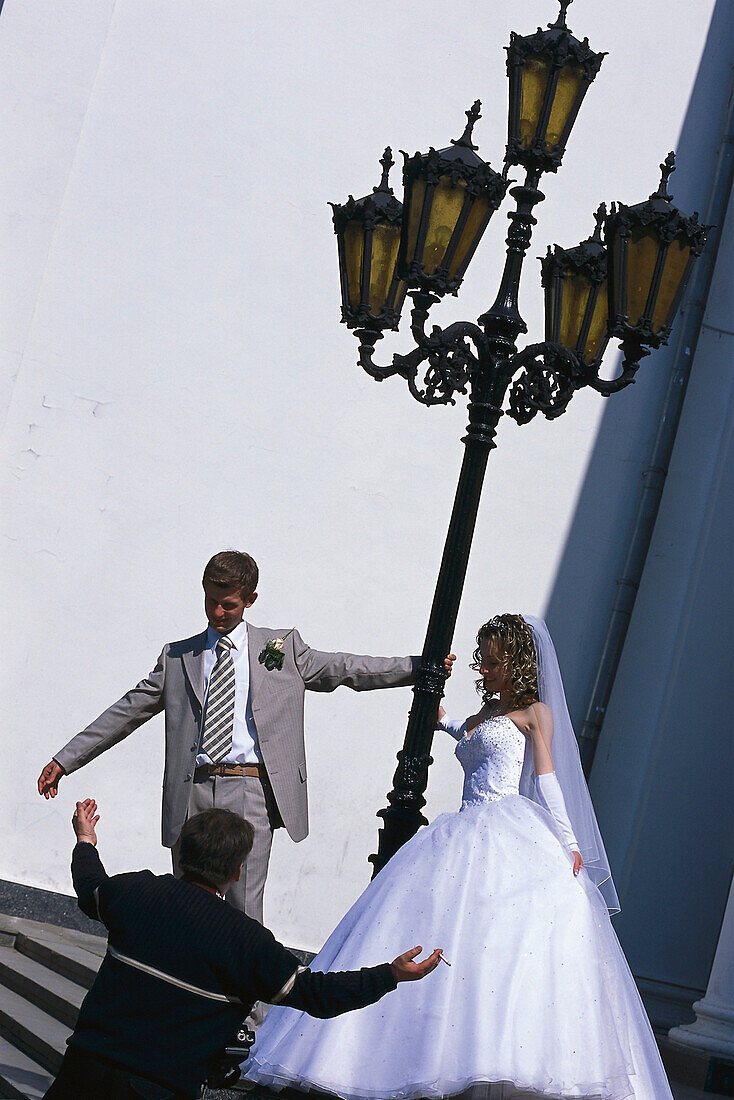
pixel 322 671
pixel 117 722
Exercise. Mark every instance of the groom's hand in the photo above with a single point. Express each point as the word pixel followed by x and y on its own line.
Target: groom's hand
pixel 48 780
pixel 405 970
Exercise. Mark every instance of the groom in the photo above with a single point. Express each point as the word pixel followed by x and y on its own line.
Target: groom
pixel 233 702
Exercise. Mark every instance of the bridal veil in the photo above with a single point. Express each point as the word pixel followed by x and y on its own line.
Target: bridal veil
pixel 567 764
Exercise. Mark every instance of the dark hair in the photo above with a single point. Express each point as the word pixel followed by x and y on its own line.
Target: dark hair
pixel 213 845
pixel 232 569
pixel 513 639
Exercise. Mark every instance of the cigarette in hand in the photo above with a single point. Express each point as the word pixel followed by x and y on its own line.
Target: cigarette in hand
pixel 443 960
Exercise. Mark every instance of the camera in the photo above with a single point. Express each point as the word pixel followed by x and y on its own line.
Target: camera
pixel 226 1070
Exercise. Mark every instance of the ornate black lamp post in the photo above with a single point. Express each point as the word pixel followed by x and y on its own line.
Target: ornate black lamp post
pixel 629 286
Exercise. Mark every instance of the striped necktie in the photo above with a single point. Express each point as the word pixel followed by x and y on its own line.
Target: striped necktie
pixel 216 735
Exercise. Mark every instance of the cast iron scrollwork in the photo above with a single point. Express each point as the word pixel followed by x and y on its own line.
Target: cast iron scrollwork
pixel 450 357
pixel 431 676
pixel 451 363
pixel 550 376
pixel 414 769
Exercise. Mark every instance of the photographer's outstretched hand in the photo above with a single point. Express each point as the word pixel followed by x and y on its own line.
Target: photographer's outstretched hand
pixel 83 820
pixel 405 970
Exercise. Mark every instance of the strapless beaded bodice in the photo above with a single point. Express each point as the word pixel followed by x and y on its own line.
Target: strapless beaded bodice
pixel 492 759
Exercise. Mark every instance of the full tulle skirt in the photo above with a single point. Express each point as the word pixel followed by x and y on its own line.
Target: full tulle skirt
pixel 538 1000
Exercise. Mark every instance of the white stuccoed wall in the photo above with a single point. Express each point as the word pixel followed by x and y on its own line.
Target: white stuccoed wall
pixel 175 378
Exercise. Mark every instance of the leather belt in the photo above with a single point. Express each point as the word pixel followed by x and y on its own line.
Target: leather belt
pixel 227 771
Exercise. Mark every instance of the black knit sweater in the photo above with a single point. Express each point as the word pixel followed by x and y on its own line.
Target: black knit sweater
pixel 168 1032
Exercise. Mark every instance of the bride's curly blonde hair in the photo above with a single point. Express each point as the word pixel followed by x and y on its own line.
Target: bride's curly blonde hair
pixel 513 639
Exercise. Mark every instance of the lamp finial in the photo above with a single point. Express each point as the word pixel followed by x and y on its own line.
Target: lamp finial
pixel 386 160
pixel 561 20
pixel 666 170
pixel 600 217
pixel 471 117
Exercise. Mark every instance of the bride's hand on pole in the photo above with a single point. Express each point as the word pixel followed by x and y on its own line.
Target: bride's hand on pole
pixel 448 663
pixel 577 862
pixel 405 970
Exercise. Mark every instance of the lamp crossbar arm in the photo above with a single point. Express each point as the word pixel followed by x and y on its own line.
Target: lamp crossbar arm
pixel 632 352
pixel 450 358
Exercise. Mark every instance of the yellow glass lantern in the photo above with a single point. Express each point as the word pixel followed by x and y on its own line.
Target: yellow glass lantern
pixel 550 72
pixel 576 303
pixel 368 238
pixel 651 248
pixel 450 195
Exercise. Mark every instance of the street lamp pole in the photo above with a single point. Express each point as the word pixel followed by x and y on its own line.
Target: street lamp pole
pixel 494 346
pixel 628 286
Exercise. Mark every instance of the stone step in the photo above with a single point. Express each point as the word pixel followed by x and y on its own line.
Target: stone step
pixel 30 1029
pixel 77 964
pixel 11 927
pixel 44 988
pixel 20 1077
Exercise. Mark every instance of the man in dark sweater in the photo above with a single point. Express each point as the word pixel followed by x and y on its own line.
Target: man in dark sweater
pixel 183 968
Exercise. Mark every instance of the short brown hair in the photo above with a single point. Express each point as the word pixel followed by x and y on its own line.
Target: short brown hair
pixel 213 845
pixel 232 569
pixel 513 640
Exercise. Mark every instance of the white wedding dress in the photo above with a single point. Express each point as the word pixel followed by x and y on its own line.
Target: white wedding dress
pixel 538 1000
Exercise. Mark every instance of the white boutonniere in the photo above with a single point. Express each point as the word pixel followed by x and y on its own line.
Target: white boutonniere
pixel 272 655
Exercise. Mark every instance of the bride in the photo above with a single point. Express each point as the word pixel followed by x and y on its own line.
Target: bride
pixel 537 999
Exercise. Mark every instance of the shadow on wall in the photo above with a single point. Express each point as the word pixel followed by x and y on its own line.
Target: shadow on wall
pixel 583 594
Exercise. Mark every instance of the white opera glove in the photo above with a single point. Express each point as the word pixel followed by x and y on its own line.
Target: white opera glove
pixel 551 798
pixel 453 726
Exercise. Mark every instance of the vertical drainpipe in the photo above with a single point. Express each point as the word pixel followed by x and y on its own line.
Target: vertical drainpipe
pixel 654 475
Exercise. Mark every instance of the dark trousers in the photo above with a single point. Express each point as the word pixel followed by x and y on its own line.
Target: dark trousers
pixel 84 1077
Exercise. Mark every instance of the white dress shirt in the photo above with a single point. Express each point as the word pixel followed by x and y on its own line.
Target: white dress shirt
pixel 245 749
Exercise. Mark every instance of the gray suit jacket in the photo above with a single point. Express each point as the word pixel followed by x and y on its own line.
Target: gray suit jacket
pixel 176 686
